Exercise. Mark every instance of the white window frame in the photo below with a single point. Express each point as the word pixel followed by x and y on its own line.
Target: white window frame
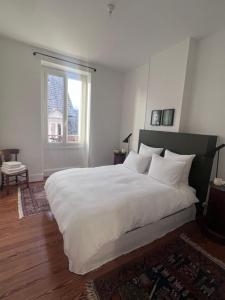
pixel 83 112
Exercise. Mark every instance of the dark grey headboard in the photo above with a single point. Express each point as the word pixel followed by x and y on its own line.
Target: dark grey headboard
pixel 187 143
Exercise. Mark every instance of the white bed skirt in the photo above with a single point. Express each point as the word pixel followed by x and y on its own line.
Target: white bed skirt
pixel 137 238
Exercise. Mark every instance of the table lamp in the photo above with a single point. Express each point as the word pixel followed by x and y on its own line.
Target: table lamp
pixel 127 141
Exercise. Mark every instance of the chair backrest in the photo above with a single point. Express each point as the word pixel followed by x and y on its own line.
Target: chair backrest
pixel 8 155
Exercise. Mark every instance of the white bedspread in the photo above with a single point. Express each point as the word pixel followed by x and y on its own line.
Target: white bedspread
pixel 94 206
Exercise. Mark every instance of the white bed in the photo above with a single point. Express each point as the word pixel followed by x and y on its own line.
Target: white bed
pixel 98 209
pixel 141 237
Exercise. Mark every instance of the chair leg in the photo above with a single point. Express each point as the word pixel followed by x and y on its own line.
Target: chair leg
pixel 2 180
pixel 27 178
pixel 16 179
pixel 7 184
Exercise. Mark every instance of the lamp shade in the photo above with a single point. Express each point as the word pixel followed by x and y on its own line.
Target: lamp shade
pixel 126 140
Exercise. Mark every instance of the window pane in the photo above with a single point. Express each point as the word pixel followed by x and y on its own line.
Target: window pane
pixel 55 108
pixel 74 110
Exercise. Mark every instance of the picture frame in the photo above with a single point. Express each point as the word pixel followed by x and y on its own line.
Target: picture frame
pixel 168 117
pixel 156 117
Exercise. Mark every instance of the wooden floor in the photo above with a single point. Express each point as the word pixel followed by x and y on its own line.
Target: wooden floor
pixel 32 262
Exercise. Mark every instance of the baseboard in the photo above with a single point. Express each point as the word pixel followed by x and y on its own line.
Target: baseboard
pixel 36 177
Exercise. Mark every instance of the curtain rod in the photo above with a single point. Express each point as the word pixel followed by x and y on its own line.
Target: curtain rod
pixel 71 62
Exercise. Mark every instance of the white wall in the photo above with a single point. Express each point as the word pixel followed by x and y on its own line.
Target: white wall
pixel 188 87
pixel 166 83
pixel 134 103
pixel 206 110
pixel 20 111
pixel 202 109
pixel 106 91
pixel 161 83
pixel 58 158
pixel 20 105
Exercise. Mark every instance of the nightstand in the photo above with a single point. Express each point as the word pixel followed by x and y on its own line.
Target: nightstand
pixel 215 216
pixel 119 157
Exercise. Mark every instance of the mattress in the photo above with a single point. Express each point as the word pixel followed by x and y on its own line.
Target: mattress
pixel 138 238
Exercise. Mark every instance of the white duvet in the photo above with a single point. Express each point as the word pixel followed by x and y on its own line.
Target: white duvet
pixel 94 206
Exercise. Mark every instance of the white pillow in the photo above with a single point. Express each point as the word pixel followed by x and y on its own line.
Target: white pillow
pixel 136 162
pixel 187 159
pixel 148 151
pixel 166 170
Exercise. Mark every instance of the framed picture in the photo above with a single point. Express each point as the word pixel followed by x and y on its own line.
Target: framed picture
pixel 156 117
pixel 167 117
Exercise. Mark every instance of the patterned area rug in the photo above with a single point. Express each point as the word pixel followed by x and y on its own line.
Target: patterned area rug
pixel 179 270
pixel 32 200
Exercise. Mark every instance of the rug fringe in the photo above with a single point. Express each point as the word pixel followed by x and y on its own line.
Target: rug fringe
pixel 91 291
pixel 20 210
pixel 188 240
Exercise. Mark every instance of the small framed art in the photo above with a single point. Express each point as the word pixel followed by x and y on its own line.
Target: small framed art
pixel 167 117
pixel 156 117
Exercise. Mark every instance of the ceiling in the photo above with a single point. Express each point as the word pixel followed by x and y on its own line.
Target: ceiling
pixel 136 29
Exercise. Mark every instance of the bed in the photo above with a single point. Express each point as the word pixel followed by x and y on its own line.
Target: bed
pixel 108 211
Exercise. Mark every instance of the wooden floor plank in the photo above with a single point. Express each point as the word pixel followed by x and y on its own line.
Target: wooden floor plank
pixel 32 262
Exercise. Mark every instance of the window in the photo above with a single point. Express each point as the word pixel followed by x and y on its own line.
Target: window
pixel 66 102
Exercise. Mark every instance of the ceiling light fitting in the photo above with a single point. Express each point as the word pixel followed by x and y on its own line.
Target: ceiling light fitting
pixel 111 7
